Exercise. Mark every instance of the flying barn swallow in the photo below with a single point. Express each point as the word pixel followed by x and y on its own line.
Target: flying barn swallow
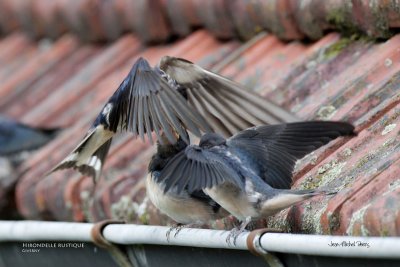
pixel 248 174
pixel 170 98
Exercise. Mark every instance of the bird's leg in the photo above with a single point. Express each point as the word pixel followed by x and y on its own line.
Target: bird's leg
pixel 178 227
pixel 173 228
pixel 235 232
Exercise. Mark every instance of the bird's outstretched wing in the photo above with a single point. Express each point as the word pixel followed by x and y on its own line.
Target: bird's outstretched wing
pixel 170 100
pixel 196 168
pixel 226 105
pixel 90 164
pixel 276 148
pixel 146 102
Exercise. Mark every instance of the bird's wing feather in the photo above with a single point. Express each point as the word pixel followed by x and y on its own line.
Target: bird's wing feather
pixel 226 105
pixel 196 168
pixel 145 102
pixel 93 164
pixel 276 148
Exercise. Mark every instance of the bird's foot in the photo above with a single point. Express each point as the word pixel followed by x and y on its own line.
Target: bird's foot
pixel 177 228
pixel 233 235
pixel 235 232
pixel 171 229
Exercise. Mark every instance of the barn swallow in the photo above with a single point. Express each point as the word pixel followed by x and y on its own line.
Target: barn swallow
pixel 187 209
pixel 250 173
pixel 170 98
pixel 17 137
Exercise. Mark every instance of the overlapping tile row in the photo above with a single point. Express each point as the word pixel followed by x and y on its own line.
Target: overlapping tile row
pixel 373 88
pixel 157 20
pixel 334 78
pixel 121 193
pixel 43 197
pixel 365 92
pixel 78 100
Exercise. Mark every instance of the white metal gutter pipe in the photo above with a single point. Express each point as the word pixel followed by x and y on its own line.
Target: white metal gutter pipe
pixel 337 246
pixel 259 240
pixel 142 234
pixel 44 231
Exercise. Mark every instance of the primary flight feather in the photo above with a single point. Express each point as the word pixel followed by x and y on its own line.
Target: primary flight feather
pixel 174 97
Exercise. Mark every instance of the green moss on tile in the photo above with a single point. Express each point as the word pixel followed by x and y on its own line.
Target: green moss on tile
pixel 336 48
pixel 333 50
pixel 124 209
pixel 330 171
pixel 340 19
pixel 279 221
pixel 364 160
pixel 86 201
pixel 384 232
pixel 334 221
pixel 309 183
pixel 378 154
pixel 346 152
pixel 311 220
pixel 326 112
pixel 144 218
pixel 380 21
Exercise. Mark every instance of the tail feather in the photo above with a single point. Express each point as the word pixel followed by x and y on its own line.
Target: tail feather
pixel 95 163
pixel 286 198
pixel 89 156
pixel 312 192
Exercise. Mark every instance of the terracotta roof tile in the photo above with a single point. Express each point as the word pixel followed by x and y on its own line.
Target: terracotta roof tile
pixel 33 69
pixel 65 83
pixel 157 20
pixel 81 83
pixel 47 84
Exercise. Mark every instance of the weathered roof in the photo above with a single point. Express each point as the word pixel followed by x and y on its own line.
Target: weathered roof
pixel 159 20
pixel 64 83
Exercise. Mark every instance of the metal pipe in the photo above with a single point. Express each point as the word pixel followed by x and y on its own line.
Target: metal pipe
pixel 337 246
pixel 129 234
pixel 44 231
pixel 142 234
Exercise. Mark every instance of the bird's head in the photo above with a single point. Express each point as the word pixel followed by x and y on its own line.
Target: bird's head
pixel 209 140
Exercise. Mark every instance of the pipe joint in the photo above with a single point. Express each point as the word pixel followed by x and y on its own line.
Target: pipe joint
pixel 254 240
pixel 97 233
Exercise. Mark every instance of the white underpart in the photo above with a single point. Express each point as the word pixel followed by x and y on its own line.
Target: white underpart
pixel 252 195
pixel 233 199
pixel 280 202
pixel 182 209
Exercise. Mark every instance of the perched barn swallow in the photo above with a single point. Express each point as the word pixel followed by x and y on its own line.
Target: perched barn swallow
pixel 248 174
pixel 186 208
pixel 16 137
pixel 173 97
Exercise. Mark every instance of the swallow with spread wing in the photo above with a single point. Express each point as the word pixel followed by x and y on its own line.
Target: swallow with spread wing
pixel 248 174
pixel 171 98
pixel 184 207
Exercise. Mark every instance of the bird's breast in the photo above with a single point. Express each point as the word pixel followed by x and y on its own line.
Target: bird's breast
pixel 182 208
